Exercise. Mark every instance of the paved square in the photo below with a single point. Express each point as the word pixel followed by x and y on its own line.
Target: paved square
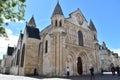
pixel 83 77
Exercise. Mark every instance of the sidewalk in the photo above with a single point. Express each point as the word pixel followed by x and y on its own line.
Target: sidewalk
pixel 106 76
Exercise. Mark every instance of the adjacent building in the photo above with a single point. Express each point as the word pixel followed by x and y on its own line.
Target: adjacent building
pixel 6 62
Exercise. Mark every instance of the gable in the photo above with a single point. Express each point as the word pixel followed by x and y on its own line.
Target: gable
pixel 77 18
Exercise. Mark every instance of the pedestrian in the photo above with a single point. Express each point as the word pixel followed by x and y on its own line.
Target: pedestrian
pixel 68 71
pixel 102 71
pixel 113 70
pixel 92 73
pixel 118 71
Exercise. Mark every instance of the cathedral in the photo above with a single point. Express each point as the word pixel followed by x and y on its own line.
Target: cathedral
pixel 66 42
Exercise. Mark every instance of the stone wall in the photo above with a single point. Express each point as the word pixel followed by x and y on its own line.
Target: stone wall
pixel 31 56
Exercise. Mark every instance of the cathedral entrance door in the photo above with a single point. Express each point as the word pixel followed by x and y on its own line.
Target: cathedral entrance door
pixel 79 66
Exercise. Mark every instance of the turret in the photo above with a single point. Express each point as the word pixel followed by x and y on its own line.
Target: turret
pixel 57 19
pixel 104 46
pixel 93 29
pixel 31 29
pixel 32 23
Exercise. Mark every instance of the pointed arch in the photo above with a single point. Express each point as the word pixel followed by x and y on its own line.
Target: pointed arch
pixel 80 38
pixel 22 56
pixel 84 62
pixel 46 46
pixel 18 54
pixel 60 23
pixel 39 49
pixel 79 66
pixel 70 63
pixel 55 22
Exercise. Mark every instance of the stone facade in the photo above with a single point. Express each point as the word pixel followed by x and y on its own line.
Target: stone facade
pixel 70 43
pixel 6 64
pixel 66 42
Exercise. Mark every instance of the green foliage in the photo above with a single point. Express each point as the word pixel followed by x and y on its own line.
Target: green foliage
pixel 11 10
pixel 2 32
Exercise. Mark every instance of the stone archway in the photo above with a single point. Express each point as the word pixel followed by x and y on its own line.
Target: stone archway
pixel 79 66
pixel 82 64
pixel 70 63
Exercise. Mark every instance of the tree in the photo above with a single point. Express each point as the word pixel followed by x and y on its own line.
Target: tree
pixel 12 10
pixel 2 32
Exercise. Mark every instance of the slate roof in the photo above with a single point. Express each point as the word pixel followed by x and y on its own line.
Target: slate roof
pixel 33 32
pixel 92 26
pixel 32 22
pixel 57 10
pixel 10 51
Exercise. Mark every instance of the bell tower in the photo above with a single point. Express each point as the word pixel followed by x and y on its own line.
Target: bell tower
pixel 57 19
pixel 57 38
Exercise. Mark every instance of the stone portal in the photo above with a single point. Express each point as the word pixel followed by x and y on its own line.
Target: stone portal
pixel 79 66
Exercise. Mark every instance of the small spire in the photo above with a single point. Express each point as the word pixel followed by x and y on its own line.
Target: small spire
pixel 57 10
pixel 92 26
pixel 31 23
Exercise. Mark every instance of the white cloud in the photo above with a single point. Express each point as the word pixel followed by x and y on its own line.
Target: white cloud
pixel 11 40
pixel 116 51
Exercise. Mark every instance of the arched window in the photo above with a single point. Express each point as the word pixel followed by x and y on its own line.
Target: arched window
pixel 39 49
pixel 80 38
pixel 22 56
pixel 18 53
pixel 46 46
pixel 55 22
pixel 60 23
pixel 95 38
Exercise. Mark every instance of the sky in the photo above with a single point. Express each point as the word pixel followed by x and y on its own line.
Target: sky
pixel 105 15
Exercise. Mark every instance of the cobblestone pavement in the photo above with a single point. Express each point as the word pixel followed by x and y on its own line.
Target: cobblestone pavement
pixel 83 77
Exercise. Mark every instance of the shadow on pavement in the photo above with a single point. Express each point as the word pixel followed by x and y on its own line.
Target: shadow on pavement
pixel 82 77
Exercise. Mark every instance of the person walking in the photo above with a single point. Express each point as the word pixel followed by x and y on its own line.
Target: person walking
pixel 102 71
pixel 68 71
pixel 92 73
pixel 118 71
pixel 113 71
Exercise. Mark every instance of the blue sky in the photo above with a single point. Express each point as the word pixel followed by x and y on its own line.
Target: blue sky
pixel 104 13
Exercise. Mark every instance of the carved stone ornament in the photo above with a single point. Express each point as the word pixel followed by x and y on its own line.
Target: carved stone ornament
pixel 79 18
